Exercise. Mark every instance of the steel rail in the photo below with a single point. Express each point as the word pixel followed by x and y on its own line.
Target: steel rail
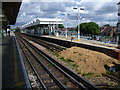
pixel 40 80
pixel 51 45
pixel 63 87
pixel 71 73
pixel 61 70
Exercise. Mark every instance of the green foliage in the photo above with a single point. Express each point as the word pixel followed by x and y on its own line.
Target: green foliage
pixel 48 65
pixel 60 26
pixel 17 29
pixel 107 25
pixel 71 29
pixel 98 75
pixel 61 58
pixel 116 88
pixel 108 72
pixel 58 50
pixel 66 60
pixel 89 73
pixel 89 28
pixel 117 24
pixel 69 60
pixel 54 53
pixel 74 65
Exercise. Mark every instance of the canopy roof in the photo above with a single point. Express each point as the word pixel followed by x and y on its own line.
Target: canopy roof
pixel 42 21
pixel 10 10
pixel 118 3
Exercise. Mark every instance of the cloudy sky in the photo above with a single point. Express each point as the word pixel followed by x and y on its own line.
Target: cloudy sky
pixel 99 11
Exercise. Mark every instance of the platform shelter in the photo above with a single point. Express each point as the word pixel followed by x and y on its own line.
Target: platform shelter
pixel 42 26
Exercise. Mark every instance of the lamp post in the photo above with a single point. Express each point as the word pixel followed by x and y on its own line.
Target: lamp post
pixel 78 21
pixel 57 26
pixel 118 39
pixel 66 23
pixel 56 23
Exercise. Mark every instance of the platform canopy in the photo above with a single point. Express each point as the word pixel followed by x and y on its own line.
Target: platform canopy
pixel 118 3
pixel 42 21
pixel 9 12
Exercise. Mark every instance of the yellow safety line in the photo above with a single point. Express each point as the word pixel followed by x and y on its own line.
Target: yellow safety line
pixel 15 66
pixel 79 41
pixel 16 73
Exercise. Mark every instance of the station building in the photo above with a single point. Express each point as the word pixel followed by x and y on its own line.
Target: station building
pixel 42 26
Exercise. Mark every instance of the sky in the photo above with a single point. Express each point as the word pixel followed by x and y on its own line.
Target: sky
pixel 99 11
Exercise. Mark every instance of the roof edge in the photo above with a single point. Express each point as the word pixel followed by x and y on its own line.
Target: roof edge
pixel 118 3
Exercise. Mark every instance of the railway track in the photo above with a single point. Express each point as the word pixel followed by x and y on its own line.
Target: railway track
pixel 113 77
pixel 50 73
pixel 48 45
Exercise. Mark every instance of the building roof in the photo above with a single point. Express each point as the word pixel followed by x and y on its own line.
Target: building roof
pixel 41 21
pixel 107 29
pixel 49 21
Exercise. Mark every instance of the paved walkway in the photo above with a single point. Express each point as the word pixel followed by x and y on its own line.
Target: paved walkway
pixel 84 41
pixel 0 62
pixel 13 75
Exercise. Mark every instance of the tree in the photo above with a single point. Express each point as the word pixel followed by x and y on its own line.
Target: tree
pixel 71 29
pixel 117 24
pixel 107 25
pixel 89 28
pixel 60 26
pixel 17 29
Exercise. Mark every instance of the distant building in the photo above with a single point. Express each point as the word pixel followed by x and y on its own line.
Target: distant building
pixel 108 30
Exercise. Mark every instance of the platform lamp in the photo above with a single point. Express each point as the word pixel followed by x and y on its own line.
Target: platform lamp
pixel 78 21
pixel 57 25
pixel 66 22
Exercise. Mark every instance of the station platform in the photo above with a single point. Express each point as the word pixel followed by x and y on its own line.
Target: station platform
pixel 14 74
pixel 111 50
pixel 84 41
pixel 106 48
